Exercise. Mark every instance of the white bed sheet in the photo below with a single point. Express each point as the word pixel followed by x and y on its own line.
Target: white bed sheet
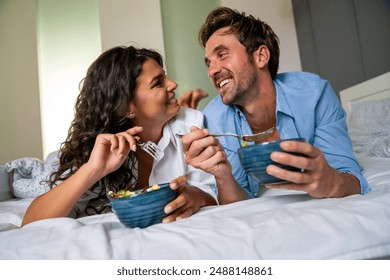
pixel 279 225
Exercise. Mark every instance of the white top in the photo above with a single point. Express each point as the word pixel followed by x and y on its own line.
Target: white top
pixel 172 164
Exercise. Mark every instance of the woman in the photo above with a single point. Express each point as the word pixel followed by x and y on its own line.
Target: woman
pixel 125 97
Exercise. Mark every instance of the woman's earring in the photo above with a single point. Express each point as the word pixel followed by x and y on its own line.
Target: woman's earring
pixel 131 115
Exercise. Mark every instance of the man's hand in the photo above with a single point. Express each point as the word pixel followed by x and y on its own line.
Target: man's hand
pixel 205 152
pixel 319 179
pixel 191 98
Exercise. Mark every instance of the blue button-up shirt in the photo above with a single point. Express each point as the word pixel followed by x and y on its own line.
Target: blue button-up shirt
pixel 306 107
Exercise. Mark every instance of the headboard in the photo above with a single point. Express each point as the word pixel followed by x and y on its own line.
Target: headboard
pixel 374 89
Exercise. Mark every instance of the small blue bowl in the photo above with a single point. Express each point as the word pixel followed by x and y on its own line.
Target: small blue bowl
pixel 144 209
pixel 255 159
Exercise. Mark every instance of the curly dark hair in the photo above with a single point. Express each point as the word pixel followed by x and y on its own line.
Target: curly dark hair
pixel 251 32
pixel 102 107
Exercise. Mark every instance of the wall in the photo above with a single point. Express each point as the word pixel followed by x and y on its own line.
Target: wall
pixel 131 22
pixel 20 124
pixel 69 41
pixel 346 42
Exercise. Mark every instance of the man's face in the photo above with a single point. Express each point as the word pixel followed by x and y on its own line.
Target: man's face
pixel 231 71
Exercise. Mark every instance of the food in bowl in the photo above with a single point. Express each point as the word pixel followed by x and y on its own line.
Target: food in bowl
pixel 126 193
pixel 255 159
pixel 142 208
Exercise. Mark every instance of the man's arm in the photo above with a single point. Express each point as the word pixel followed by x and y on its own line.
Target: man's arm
pixel 191 98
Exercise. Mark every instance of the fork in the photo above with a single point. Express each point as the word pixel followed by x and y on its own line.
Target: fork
pixel 151 148
pixel 247 138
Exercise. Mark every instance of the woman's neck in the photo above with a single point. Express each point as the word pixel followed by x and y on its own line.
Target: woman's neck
pixel 151 132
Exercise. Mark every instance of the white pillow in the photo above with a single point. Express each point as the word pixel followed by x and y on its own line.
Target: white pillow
pixel 369 127
pixel 29 175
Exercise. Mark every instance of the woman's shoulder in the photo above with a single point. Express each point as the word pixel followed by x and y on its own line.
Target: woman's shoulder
pixel 186 118
pixel 188 114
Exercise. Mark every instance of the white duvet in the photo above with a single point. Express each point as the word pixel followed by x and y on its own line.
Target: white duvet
pixel 278 225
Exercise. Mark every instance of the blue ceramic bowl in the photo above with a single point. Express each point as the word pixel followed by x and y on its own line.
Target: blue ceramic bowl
pixel 255 159
pixel 144 209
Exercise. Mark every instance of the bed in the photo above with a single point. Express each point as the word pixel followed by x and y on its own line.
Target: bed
pixel 279 225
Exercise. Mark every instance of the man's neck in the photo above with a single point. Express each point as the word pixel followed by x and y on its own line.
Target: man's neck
pixel 260 110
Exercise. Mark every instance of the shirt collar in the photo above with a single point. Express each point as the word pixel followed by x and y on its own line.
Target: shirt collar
pixel 242 124
pixel 238 111
pixel 168 136
pixel 281 101
pixel 282 107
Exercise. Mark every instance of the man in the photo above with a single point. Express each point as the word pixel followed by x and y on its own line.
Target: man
pixel 242 57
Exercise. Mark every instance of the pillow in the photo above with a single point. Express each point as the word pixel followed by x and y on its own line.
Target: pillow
pixel 369 127
pixel 29 175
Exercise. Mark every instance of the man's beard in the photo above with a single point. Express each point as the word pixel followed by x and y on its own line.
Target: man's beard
pixel 241 92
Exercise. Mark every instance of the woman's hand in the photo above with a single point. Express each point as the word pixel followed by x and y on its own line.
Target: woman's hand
pixel 111 150
pixel 189 200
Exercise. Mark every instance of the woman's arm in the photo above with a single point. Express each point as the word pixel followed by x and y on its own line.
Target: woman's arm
pixel 108 154
pixel 59 201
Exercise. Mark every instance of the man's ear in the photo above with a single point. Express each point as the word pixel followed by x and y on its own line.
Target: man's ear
pixel 262 56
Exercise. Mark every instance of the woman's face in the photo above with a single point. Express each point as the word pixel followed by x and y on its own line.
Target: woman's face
pixel 154 100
